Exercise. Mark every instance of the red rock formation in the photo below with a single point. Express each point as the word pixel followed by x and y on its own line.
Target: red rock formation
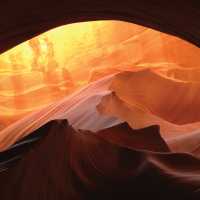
pixel 82 165
pixel 167 98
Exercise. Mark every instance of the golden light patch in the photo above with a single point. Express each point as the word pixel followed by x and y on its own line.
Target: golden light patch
pixel 54 64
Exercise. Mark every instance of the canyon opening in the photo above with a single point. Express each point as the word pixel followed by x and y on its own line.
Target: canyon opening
pixel 119 99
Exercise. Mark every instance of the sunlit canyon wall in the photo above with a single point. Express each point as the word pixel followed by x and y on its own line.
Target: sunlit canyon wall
pixel 55 64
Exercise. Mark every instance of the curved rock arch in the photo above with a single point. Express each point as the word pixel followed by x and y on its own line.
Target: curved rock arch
pixel 23 20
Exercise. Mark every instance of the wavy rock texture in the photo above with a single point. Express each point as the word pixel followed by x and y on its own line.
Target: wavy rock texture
pixel 164 97
pixel 79 108
pixel 139 77
pixel 142 105
pixel 115 98
pixel 116 163
pixel 46 68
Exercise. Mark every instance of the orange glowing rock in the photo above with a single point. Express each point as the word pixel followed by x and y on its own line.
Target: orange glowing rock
pixel 48 68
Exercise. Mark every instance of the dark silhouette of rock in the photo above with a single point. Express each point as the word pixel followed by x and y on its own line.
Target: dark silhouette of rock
pixel 39 17
pixel 83 165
